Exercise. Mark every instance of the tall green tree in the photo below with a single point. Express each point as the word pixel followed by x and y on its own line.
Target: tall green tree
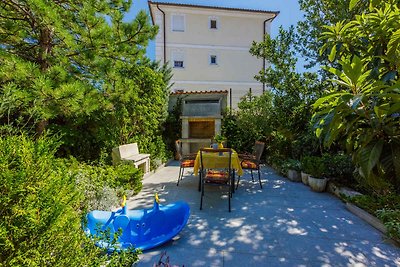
pixel 78 67
pixel 292 92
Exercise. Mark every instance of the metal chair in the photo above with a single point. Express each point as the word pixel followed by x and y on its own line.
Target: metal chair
pixel 218 175
pixel 185 161
pixel 252 161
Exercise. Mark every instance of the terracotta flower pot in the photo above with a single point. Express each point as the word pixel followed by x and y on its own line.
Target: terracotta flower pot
pixel 317 184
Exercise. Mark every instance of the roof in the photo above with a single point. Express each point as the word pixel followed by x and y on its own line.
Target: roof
pixel 214 7
pixel 200 92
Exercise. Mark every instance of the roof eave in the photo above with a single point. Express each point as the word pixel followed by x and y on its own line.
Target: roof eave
pixel 275 13
pixel 219 92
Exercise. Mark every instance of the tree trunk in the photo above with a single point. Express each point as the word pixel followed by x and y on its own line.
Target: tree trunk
pixel 45 44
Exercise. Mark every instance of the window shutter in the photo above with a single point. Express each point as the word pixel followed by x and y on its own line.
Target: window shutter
pixel 178 23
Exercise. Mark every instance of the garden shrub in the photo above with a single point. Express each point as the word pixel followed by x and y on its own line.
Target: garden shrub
pixel 236 136
pixel 316 167
pixel 385 207
pixel 173 125
pixel 340 168
pixel 103 186
pixel 391 220
pixel 291 164
pixel 249 123
pixel 41 214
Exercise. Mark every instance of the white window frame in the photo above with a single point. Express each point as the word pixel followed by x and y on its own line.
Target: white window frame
pixel 172 22
pixel 216 23
pixel 178 55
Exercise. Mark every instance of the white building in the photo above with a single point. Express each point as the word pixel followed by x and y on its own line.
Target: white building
pixel 208 46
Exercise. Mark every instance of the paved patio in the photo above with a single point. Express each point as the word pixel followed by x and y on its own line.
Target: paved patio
pixel 283 224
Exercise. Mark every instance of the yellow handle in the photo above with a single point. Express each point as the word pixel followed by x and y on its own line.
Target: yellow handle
pixel 156 198
pixel 123 201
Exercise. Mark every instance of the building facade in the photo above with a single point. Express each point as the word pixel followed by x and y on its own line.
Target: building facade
pixel 208 46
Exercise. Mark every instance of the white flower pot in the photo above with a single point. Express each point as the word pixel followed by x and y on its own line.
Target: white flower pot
pixel 294 175
pixel 304 178
pixel 317 184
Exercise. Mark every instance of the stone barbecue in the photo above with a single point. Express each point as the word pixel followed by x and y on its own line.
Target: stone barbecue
pixel 201 117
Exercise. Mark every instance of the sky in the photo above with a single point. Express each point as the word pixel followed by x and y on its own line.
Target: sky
pixel 290 13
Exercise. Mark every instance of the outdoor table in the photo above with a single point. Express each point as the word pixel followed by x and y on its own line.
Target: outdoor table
pixel 215 161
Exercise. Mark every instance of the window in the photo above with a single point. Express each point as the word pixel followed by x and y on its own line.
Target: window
pixel 178 64
pixel 178 60
pixel 213 23
pixel 213 60
pixel 178 23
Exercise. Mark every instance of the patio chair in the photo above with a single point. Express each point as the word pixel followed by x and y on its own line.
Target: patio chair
pixel 252 161
pixel 185 161
pixel 212 173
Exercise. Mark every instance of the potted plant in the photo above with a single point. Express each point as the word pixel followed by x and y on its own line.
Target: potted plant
pixel 305 168
pixel 220 139
pixel 293 170
pixel 317 170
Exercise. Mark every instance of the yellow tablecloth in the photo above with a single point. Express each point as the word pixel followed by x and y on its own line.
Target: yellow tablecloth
pixel 214 161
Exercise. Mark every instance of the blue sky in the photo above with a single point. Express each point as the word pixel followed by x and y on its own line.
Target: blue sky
pixel 290 12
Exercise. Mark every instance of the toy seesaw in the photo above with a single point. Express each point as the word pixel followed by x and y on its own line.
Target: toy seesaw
pixel 142 229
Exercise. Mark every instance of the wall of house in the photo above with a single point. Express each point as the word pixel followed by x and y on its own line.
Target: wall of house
pixel 235 67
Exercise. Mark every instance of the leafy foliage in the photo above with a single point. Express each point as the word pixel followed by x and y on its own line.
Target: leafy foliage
pixel 76 69
pixel 173 125
pixel 291 164
pixel 248 124
pixel 287 115
pixel 386 208
pixel 391 220
pixel 80 70
pixel 317 14
pixel 315 166
pixel 42 209
pixel 104 185
pixel 362 110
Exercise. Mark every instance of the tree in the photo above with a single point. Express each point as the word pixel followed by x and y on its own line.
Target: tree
pixel 362 109
pixel 77 67
pixel 318 13
pixel 63 49
pixel 292 92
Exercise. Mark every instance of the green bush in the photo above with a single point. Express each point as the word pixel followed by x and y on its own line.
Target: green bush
pixel 316 167
pixel 104 185
pixel 391 220
pixel 291 164
pixel 340 168
pixel 248 124
pixel 306 163
pixel 41 214
pixel 338 165
pixel 386 208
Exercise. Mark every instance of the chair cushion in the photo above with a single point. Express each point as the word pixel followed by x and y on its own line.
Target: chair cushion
pixel 247 164
pixel 218 177
pixel 187 163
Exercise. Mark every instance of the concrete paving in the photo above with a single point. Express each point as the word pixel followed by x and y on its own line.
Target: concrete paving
pixel 283 224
